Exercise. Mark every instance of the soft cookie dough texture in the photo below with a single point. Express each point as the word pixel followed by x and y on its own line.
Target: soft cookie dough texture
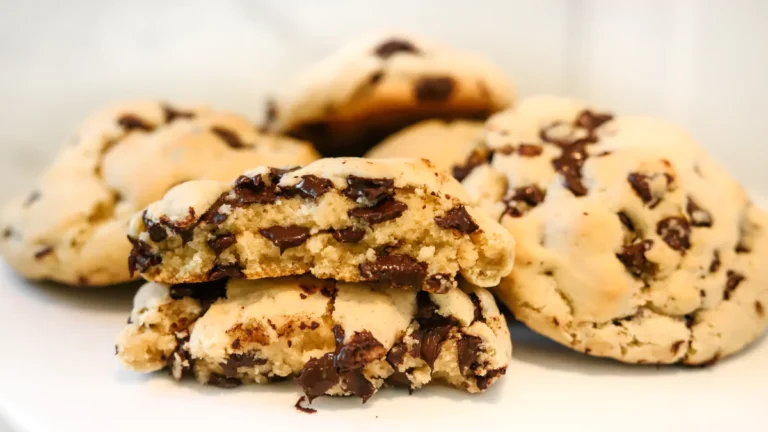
pixel 632 243
pixel 401 222
pixel 71 226
pixel 444 143
pixel 379 84
pixel 332 338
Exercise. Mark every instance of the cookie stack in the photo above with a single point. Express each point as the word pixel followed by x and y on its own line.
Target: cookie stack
pixel 345 274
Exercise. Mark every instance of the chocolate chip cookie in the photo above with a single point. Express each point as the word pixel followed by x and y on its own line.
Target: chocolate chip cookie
pixel 632 243
pixel 70 227
pixel 379 84
pixel 332 338
pixel 444 143
pixel 402 222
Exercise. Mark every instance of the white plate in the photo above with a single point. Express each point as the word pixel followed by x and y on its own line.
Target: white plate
pixel 58 373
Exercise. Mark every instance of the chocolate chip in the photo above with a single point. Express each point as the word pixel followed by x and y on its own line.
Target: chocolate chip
pixel 386 210
pixel 141 257
pixel 236 361
pixel 286 237
pixel 221 243
pixel 310 187
pixel 228 136
pixel 207 293
pixel 626 221
pixel 396 354
pixel 172 113
pixel 569 164
pixel 641 185
pixel 354 382
pixel 690 320
pixel 312 326
pixel 478 308
pixel 759 309
pixel 439 283
pixel 375 78
pixel 361 349
pixel 733 281
pixel 393 46
pixel 44 252
pixel 318 376
pixel 524 198
pixel 303 409
pixel 276 174
pixel 591 120
pixel 633 258
pixel 459 219
pixel 348 235
pixel 484 381
pixel 468 348
pixel 529 150
pixel 156 231
pixel 130 122
pixel 34 196
pixel 311 285
pixel 212 215
pixel 476 158
pixel 397 270
pixel 433 88
pixel 715 264
pixel 221 271
pixel 434 328
pixel 675 232
pixel 253 190
pixel 223 382
pixel 399 379
pixel 699 216
pixel 368 190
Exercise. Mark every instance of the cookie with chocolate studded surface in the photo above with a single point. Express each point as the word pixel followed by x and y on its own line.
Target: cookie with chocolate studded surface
pixel 333 338
pixel 379 84
pixel 71 227
pixel 632 243
pixel 402 222
pixel 444 143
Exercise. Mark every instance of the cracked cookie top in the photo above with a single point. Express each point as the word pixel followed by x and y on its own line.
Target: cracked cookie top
pixel 402 222
pixel 632 242
pixel 71 226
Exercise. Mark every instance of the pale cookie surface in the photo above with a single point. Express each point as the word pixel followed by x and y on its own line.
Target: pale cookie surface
pixel 334 338
pixel 402 222
pixel 632 243
pixel 71 227
pixel 444 143
pixel 379 84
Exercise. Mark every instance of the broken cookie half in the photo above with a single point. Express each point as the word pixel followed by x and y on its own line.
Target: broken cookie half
pixel 332 338
pixel 402 222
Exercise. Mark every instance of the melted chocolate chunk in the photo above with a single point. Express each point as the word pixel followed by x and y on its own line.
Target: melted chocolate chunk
pixel 157 232
pixel 439 283
pixel 591 120
pixel 369 190
pixel 434 328
pixel 180 357
pixel 476 158
pixel 397 270
pixel 354 381
pixel 385 210
pixel 361 349
pixel 529 150
pixel 221 243
pixel 478 308
pixel 633 258
pixel 675 232
pixel 715 264
pixel 172 113
pixel 44 252
pixel 468 348
pixel 141 257
pixel 253 190
pixel 318 376
pixel 34 196
pixel 459 219
pixel 212 215
pixel 530 195
pixel 221 271
pixel 699 217
pixel 399 379
pixel 228 136
pixel 130 122
pixel 205 292
pixel 396 354
pixel 484 381
pixel 304 409
pixel 236 361
pixel 276 174
pixel 733 281
pixel 393 46
pixel 348 235
pixel 310 187
pixel 626 221
pixel 569 164
pixel 433 88
pixel 642 187
pixel 223 382
pixel 286 237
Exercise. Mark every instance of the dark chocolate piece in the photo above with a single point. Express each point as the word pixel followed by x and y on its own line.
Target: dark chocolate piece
pixel 286 237
pixel 633 258
pixel 676 233
pixel 369 190
pixel 459 219
pixel 141 257
pixel 733 281
pixel 394 46
pixel 348 235
pixel 384 211
pixel 131 122
pixel 434 88
pixel 397 270
pixel 228 136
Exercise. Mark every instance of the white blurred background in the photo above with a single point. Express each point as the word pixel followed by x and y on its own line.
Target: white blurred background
pixel 701 63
